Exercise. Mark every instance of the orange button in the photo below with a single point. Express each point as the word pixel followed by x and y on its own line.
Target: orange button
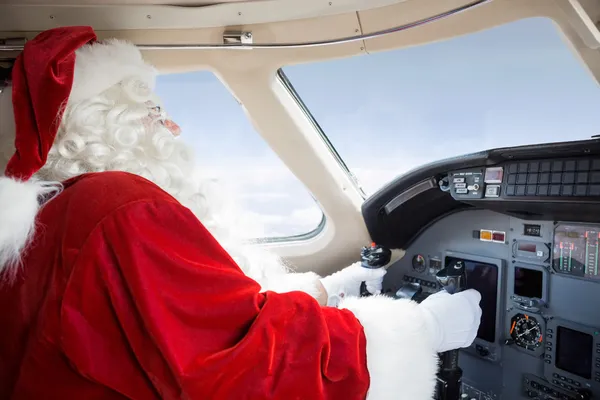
pixel 485 235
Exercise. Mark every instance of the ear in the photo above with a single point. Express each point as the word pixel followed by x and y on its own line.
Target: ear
pixel 19 205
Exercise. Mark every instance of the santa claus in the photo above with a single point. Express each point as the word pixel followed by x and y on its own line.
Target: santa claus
pixel 121 280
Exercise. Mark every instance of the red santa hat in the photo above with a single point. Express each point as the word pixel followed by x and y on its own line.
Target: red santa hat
pixel 57 68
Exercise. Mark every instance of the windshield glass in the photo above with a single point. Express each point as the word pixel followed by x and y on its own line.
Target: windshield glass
pixel 277 205
pixel 389 112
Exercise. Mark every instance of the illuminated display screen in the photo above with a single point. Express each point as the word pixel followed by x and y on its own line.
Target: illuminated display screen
pixel 493 175
pixel 532 230
pixel 575 250
pixel 529 247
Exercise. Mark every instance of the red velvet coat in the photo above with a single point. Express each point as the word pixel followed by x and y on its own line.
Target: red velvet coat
pixel 124 294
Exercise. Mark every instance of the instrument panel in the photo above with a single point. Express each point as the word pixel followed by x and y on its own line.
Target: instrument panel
pixel 575 250
pixel 541 179
pixel 540 331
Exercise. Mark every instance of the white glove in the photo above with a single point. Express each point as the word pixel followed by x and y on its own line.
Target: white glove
pixel 347 282
pixel 452 320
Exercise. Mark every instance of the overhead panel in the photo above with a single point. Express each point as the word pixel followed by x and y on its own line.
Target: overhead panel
pixel 26 17
pixel 124 2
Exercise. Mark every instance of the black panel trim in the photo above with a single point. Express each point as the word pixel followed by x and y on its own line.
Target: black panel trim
pixel 399 227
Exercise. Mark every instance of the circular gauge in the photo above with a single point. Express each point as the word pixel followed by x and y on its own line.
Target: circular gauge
pixel 418 263
pixel 526 331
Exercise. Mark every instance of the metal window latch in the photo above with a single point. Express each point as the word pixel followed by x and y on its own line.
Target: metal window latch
pixel 235 38
pixel 9 48
pixel 11 44
pixel 3 84
pixel 5 74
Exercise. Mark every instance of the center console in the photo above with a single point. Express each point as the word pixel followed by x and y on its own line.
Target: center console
pixel 540 329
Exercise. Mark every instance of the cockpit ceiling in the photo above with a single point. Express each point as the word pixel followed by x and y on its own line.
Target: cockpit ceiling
pixel 188 14
pixel 292 21
pixel 188 3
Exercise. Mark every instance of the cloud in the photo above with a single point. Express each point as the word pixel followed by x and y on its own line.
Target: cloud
pixel 372 179
pixel 265 196
pixel 272 201
pixel 250 172
pixel 298 217
pixel 267 219
pixel 311 216
pixel 299 221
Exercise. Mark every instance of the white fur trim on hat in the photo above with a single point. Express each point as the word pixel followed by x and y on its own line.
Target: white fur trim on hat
pixel 101 65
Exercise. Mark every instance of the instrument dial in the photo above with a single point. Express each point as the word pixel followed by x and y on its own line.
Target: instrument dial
pixel 526 331
pixel 418 263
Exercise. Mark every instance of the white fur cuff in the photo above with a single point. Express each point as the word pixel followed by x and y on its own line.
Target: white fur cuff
pixel 401 361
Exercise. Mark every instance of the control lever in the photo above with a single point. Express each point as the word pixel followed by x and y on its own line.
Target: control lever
pixel 409 291
pixel 373 257
pixel 453 279
pixel 583 394
pixel 531 305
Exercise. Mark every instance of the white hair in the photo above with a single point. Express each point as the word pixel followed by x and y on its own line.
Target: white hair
pixel 111 132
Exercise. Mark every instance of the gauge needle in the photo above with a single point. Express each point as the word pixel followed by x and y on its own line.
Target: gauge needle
pixel 524 333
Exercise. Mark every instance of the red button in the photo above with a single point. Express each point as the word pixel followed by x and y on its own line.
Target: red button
pixel 498 236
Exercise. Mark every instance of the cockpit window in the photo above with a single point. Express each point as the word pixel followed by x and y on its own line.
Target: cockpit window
pixel 387 113
pixel 276 205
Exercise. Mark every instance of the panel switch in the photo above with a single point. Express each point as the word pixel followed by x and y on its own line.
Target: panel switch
pixel 492 191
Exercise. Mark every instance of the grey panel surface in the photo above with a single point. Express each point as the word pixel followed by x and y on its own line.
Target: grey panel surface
pixel 567 298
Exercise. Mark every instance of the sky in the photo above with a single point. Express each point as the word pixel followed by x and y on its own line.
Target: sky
pixel 387 113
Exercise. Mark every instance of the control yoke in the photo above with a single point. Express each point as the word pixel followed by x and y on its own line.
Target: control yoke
pixel 373 257
pixel 453 279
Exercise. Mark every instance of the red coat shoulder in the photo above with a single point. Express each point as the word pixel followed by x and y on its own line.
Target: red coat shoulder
pixel 88 199
pixel 110 190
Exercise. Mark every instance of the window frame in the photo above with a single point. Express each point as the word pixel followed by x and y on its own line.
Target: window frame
pixel 294 238
pixel 287 84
